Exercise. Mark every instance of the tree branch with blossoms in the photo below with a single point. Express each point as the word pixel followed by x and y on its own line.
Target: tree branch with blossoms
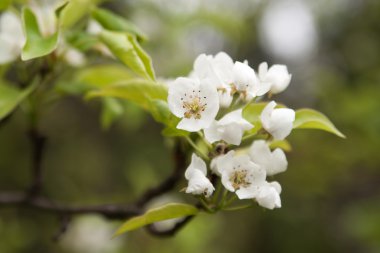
pixel 224 110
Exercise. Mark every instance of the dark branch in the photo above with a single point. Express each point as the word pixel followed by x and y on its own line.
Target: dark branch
pixel 44 204
pixel 172 231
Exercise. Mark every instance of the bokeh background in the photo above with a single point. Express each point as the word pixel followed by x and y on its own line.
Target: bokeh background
pixel 331 191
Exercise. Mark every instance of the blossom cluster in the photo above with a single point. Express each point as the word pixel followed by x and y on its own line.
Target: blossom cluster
pixel 211 101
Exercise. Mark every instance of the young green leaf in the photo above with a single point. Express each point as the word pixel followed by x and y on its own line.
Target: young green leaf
pixel 4 4
pixel 139 91
pixel 36 45
pixel 252 113
pixel 73 11
pixel 113 22
pixel 125 48
pixel 10 98
pixel 166 212
pixel 311 119
pixel 112 109
pixel 100 76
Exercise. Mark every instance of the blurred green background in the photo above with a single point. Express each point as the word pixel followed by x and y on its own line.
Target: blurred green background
pixel 331 191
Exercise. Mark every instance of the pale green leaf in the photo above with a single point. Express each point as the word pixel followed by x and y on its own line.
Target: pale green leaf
pixel 252 114
pixel 311 119
pixel 104 75
pixel 282 144
pixel 139 91
pixel 114 22
pixel 124 47
pixel 112 109
pixel 10 98
pixel 166 212
pixel 36 45
pixel 73 11
pixel 4 4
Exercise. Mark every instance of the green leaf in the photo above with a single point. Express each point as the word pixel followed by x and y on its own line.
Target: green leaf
pixel 36 45
pixel 73 11
pixel 111 21
pixel 127 50
pixel 112 109
pixel 4 4
pixel 10 98
pixel 104 75
pixel 145 58
pixel 166 212
pixel 139 91
pixel 282 144
pixel 311 119
pixel 252 114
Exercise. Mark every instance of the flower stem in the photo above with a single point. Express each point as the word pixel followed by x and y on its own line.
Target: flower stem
pixel 196 148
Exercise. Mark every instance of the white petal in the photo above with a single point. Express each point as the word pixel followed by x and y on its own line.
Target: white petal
pixel 177 91
pixel 8 51
pixel 74 57
pixel 212 99
pixel 196 164
pixel 269 197
pixel 212 133
pixel 278 122
pixel 10 25
pixel 273 162
pixel 236 117
pixel 276 186
pixel 279 162
pixel 202 66
pixel 246 193
pixel 199 184
pixel 225 98
pixel 232 134
pixel 280 78
pixel 282 123
pixel 266 115
pixel 225 162
pixel 244 76
pixel 231 127
pixel 263 69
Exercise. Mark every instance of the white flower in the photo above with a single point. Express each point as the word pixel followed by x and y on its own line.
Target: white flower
pixel 220 162
pixel 218 70
pixel 246 82
pixel 278 122
pixel 268 195
pixel 230 128
pixel 240 175
pixel 273 162
pixel 195 101
pixel 196 175
pixel 276 76
pixel 12 38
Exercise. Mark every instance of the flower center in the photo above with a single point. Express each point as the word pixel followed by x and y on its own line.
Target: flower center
pixel 239 179
pixel 193 106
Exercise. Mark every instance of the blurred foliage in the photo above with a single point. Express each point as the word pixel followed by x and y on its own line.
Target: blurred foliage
pixel 331 190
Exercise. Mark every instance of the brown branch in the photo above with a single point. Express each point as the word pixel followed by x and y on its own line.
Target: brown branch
pixel 111 211
pixel 170 232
